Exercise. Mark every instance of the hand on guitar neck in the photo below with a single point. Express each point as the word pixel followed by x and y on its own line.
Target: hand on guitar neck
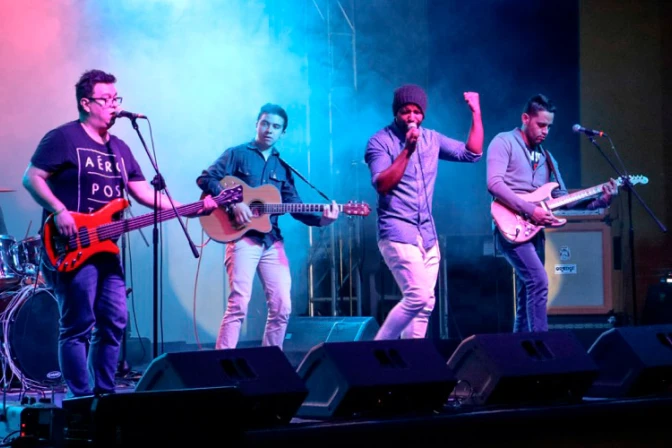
pixel 329 214
pixel 518 227
pixel 543 217
pixel 242 214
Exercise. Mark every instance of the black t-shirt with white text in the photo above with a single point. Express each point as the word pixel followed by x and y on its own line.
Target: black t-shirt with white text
pixel 84 174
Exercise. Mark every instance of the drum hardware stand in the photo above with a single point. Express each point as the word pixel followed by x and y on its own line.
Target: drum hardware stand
pixel 3 417
pixel 30 224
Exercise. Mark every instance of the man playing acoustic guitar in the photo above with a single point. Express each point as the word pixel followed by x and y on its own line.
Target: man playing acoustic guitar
pixel 78 169
pixel 258 163
pixel 518 164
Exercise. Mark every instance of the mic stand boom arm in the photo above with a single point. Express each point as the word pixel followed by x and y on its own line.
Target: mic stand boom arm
pixel 631 232
pixel 159 184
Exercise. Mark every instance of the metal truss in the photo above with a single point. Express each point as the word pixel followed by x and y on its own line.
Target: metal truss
pixel 333 24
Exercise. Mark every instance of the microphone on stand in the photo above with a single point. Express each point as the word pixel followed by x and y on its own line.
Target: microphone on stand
pixel 588 132
pixel 130 115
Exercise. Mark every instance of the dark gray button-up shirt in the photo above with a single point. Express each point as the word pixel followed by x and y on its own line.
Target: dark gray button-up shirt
pixel 248 164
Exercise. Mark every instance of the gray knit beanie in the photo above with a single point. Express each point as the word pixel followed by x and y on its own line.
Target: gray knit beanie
pixel 409 93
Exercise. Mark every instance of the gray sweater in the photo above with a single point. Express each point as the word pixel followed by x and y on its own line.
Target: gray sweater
pixel 510 171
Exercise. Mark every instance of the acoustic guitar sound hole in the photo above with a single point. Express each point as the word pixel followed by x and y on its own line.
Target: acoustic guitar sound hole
pixel 256 208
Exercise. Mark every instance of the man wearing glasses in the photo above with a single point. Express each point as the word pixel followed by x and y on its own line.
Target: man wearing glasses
pixel 80 167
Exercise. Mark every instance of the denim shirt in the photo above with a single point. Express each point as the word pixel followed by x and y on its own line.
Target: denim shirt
pixel 405 212
pixel 247 163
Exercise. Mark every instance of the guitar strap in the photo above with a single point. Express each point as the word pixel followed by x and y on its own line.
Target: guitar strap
pixel 550 163
pixel 302 178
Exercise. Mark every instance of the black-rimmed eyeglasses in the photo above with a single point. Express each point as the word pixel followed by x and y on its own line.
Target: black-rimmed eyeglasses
pixel 108 101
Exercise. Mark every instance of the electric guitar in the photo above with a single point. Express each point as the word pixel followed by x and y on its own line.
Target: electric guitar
pixel 97 231
pixel 517 229
pixel 264 201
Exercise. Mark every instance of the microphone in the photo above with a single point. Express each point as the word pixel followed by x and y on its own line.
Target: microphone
pixel 588 132
pixel 413 140
pixel 126 114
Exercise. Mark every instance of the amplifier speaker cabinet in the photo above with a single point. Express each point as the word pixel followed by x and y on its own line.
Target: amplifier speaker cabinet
pixel 579 268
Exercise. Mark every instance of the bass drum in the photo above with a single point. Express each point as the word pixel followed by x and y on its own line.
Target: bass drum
pixel 31 337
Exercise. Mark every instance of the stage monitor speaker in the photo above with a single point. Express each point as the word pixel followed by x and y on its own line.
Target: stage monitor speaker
pixel 304 333
pixel 521 368
pixel 633 361
pixel 272 388
pixel 351 379
pixel 156 418
pixel 579 267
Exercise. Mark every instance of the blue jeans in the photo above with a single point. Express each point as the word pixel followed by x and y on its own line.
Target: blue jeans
pixel 527 259
pixel 92 304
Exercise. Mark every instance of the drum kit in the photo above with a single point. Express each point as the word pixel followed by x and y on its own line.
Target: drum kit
pixel 28 316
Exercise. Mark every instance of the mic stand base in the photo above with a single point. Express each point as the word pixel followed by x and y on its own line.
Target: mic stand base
pixel 123 368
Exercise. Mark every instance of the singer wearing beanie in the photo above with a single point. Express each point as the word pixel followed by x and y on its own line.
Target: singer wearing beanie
pixel 403 160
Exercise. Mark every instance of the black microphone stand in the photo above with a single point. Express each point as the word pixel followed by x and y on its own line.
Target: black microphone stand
pixel 159 185
pixel 332 258
pixel 122 366
pixel 627 185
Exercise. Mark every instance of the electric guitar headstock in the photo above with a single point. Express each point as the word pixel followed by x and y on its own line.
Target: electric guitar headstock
pixel 634 179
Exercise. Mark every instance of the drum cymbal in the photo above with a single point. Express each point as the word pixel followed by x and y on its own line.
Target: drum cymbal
pixel 6 190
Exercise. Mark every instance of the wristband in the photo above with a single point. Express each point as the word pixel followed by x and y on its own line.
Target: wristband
pixel 60 211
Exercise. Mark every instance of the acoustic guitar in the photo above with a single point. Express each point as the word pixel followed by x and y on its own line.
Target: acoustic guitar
pixel 264 201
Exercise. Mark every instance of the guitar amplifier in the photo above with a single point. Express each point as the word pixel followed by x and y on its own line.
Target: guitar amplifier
pixel 579 268
pixel 598 214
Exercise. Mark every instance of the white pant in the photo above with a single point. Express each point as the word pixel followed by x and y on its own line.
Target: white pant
pixel 242 260
pixel 415 271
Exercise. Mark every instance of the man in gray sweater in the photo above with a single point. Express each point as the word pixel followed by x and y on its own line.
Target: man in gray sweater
pixel 518 164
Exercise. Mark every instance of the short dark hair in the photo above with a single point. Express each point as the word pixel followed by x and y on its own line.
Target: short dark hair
pixel 274 109
pixel 538 103
pixel 86 83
